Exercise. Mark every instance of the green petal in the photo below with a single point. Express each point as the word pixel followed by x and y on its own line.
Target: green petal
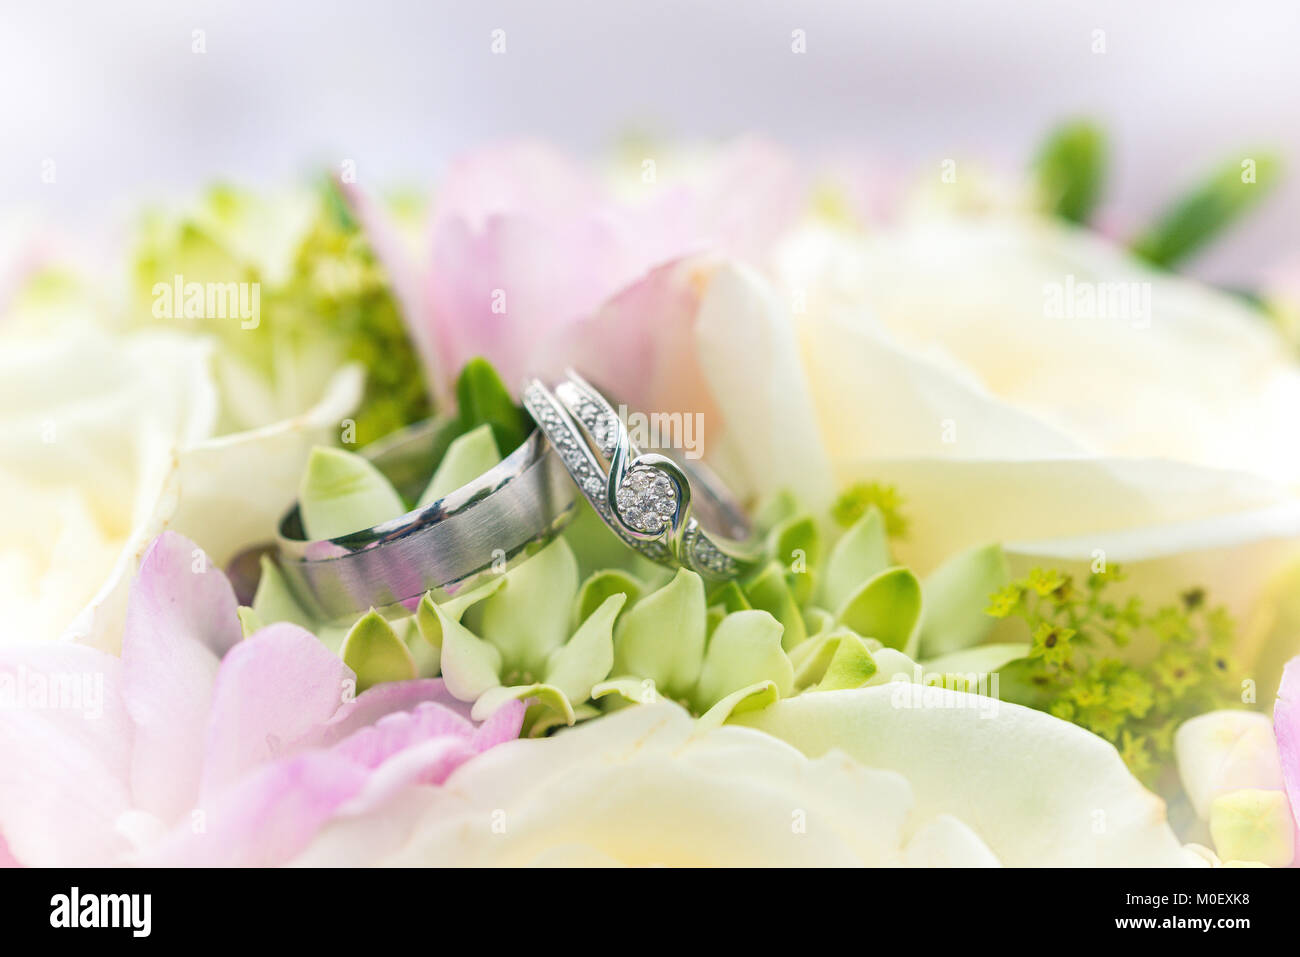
pixel 851 667
pixel 861 553
pixel 796 545
pixel 745 649
pixel 529 617
pixel 723 600
pixel 249 622
pixel 273 601
pixel 548 719
pixel 730 597
pixel 468 457
pixel 550 697
pixel 470 665
pixel 428 659
pixel 373 650
pixel 956 595
pixel 812 658
pixel 891 664
pixel 482 399
pixel 633 690
pixel 771 593
pixel 332 637
pixel 818 620
pixel 600 586
pixel 662 636
pixel 587 657
pixel 886 608
pixel 775 509
pixel 427 620
pixel 341 492
pixel 753 697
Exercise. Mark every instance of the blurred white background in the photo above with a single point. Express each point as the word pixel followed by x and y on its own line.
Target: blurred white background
pixel 114 94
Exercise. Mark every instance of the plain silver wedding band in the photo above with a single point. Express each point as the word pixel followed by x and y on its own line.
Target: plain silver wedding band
pixel 502 517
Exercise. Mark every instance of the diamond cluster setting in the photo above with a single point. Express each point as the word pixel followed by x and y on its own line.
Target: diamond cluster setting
pixel 647 499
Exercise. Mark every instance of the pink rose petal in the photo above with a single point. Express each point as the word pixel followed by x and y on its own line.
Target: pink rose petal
pixel 266 818
pixel 271 692
pixel 64 761
pixel 179 623
pixel 1286 727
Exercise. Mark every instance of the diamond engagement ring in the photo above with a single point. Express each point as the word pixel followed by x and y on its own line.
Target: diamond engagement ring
pixel 648 500
pixel 482 528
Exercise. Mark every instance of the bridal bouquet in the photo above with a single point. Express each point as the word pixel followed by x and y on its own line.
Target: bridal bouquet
pixel 347 528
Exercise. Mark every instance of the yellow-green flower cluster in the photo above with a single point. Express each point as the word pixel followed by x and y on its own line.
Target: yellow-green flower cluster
pixel 322 299
pixel 1074 671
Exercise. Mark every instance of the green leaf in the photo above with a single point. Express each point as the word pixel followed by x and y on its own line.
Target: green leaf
pixel 468 457
pixel 745 649
pixel 588 656
pixel 373 650
pixel 470 665
pixel 1200 215
pixel 754 697
pixel 528 617
pixel 886 608
pixel 662 636
pixel 861 553
pixel 1071 168
pixel 546 695
pixel 771 593
pixel 341 492
pixel 956 595
pixel 482 398
pixel 851 667
pixel 600 586
pixel 427 620
pixel 273 601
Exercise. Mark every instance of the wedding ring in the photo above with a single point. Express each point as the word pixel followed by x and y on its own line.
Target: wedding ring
pixel 485 527
pixel 648 500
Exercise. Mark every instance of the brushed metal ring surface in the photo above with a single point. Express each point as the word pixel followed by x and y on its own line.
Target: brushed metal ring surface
pixel 484 527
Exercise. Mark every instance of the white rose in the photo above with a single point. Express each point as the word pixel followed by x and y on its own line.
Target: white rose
pixel 104 442
pixel 879 786
pixel 939 361
pixel 926 356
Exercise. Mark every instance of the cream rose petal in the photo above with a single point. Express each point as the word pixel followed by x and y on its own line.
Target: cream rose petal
pixel 726 796
pixel 1226 751
pixel 224 493
pixel 1039 791
pixel 89 425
